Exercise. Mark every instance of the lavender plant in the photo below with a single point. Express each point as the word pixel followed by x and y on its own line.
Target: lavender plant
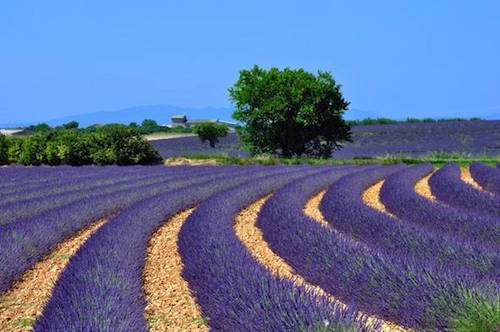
pixel 26 242
pixel 399 197
pixel 487 177
pixel 234 291
pixel 344 209
pixel 448 187
pixel 18 210
pixel 379 284
pixel 104 278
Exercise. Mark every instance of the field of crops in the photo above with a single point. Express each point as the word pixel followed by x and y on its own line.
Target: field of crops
pixel 476 138
pixel 250 248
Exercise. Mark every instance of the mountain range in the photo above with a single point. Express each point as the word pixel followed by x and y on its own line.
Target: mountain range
pixel 162 113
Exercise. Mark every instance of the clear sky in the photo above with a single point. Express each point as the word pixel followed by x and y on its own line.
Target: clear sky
pixel 396 58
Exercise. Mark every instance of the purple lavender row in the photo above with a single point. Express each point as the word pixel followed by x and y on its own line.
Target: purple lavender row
pixel 449 188
pixel 71 185
pixel 14 177
pixel 17 211
pixel 399 197
pixel 104 277
pixel 86 175
pixel 345 211
pixel 487 177
pixel 234 291
pixel 25 243
pixel 377 284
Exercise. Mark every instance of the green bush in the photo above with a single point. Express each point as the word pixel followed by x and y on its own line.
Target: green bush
pixel 211 132
pixel 478 314
pixel 33 149
pixel 71 125
pixel 67 145
pixel 15 146
pixel 122 145
pixel 4 150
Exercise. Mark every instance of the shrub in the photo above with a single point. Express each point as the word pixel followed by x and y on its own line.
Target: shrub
pixel 290 112
pixel 71 125
pixel 4 150
pixel 110 144
pixel 210 132
pixel 119 144
pixel 15 146
pixel 70 147
pixel 33 149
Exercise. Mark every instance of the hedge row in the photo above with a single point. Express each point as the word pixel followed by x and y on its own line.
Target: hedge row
pixel 110 144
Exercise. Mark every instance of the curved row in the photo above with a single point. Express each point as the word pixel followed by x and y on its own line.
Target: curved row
pixel 15 176
pixel 448 187
pixel 24 301
pixel 377 284
pixel 107 269
pixel 169 301
pixel 234 291
pixel 28 179
pixel 400 198
pixel 487 177
pixel 24 243
pixel 17 211
pixel 345 211
pixel 73 184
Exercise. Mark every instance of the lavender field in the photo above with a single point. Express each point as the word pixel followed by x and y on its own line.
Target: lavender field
pixel 327 248
pixel 477 138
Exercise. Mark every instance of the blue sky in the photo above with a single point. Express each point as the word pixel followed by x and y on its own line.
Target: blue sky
pixel 396 58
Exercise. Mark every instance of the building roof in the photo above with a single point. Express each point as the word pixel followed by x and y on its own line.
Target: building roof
pixel 9 132
pixel 179 117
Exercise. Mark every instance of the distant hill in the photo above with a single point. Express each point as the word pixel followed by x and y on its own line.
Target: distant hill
pixel 159 113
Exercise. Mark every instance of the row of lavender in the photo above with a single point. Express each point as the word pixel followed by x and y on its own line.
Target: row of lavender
pixel 411 272
pixel 101 287
pixel 29 234
pixel 417 273
pixel 410 139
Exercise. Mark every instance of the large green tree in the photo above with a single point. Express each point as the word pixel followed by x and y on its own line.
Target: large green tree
pixel 290 112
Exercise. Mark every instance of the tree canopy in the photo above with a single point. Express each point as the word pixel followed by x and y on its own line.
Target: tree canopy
pixel 290 112
pixel 211 132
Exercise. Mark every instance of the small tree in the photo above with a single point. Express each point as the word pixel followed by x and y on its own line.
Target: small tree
pixel 211 132
pixel 42 127
pixel 149 126
pixel 290 112
pixel 33 149
pixel 71 125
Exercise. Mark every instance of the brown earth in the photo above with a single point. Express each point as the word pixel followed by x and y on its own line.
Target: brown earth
pixel 371 197
pixel 170 305
pixel 251 236
pixel 24 301
pixel 179 161
pixel 467 178
pixel 423 189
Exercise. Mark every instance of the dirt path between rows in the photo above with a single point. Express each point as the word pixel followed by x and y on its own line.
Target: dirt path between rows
pixel 467 178
pixel 371 197
pixel 251 236
pixel 24 301
pixel 170 305
pixel 423 189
